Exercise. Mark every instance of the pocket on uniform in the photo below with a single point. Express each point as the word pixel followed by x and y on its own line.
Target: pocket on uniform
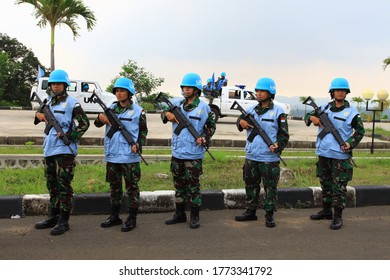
pixel 345 171
pixel 124 147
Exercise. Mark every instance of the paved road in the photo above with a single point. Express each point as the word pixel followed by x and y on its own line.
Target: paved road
pixel 20 123
pixel 365 235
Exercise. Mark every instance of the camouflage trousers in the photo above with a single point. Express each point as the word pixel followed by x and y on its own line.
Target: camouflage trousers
pixel 186 175
pixel 334 175
pixel 254 173
pixel 59 173
pixel 131 173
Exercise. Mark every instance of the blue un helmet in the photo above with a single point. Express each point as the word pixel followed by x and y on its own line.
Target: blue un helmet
pixel 192 80
pixel 125 83
pixel 59 76
pixel 223 74
pixel 85 87
pixel 339 83
pixel 209 80
pixel 266 84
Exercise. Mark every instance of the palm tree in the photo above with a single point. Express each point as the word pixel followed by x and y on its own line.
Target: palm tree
pixel 386 63
pixel 55 12
pixel 358 100
pixel 302 99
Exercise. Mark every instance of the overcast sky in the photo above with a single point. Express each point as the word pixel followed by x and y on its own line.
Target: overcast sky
pixel 301 44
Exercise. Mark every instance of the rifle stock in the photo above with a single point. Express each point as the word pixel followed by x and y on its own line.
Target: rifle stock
pixel 183 121
pixel 328 126
pixel 116 125
pixel 257 129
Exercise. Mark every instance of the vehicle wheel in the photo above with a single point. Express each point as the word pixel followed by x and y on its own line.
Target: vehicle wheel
pixel 215 114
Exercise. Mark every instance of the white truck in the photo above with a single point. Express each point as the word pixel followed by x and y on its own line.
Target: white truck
pixel 76 91
pixel 220 107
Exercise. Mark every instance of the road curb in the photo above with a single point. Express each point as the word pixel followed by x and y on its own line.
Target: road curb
pixel 164 201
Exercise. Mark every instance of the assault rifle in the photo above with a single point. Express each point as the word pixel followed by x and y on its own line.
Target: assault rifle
pixel 183 121
pixel 51 121
pixel 116 124
pixel 256 130
pixel 328 126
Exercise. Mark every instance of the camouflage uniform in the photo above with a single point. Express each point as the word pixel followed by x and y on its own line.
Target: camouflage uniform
pixel 186 180
pixel 59 186
pixel 59 169
pixel 186 173
pixel 131 172
pixel 334 174
pixel 255 172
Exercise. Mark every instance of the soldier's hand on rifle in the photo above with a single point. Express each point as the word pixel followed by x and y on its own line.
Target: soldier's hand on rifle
pixel 316 121
pixel 103 118
pixel 245 125
pixel 41 117
pixel 171 117
pixel 135 148
pixel 273 147
pixel 346 147
pixel 200 141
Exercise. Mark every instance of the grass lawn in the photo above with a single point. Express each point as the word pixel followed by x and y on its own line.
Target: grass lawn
pixel 224 173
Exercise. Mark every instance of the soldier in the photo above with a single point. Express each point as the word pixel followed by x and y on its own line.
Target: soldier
pixel 334 167
pixel 261 162
pixel 187 152
pixel 221 82
pixel 209 91
pixel 122 158
pixel 59 159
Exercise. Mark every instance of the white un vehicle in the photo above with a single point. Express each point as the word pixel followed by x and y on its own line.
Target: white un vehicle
pixel 220 107
pixel 81 90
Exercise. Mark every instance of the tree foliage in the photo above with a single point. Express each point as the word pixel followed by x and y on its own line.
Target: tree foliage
pixel 56 12
pixel 386 63
pixel 359 101
pixel 303 98
pixel 18 71
pixel 144 81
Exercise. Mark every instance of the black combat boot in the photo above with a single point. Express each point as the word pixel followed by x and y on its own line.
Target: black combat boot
pixel 194 221
pixel 269 219
pixel 51 220
pixel 325 213
pixel 337 219
pixel 62 225
pixel 114 219
pixel 131 221
pixel 180 215
pixel 248 215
